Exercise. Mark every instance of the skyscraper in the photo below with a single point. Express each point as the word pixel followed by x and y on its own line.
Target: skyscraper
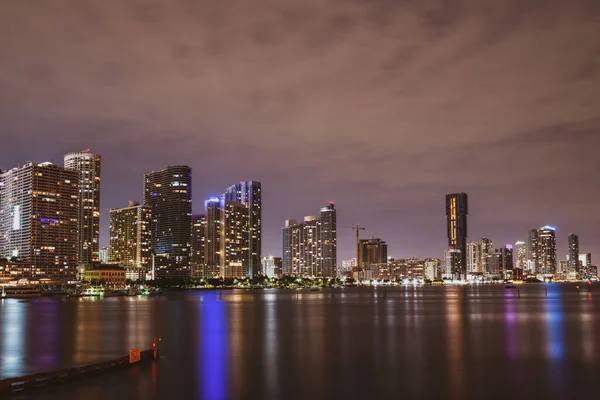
pixel 532 251
pixel 234 240
pixel 131 239
pixel 212 246
pixel 310 246
pixel 249 193
pixel 87 165
pixel 521 255
pixel 169 194
pixel 199 269
pixel 547 249
pixel 573 253
pixel 487 247
pixel 329 239
pixel 473 257
pixel 456 216
pixel 39 206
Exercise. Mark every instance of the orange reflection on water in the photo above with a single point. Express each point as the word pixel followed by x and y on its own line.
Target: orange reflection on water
pixel 455 330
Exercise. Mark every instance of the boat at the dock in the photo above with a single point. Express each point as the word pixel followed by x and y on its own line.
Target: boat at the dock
pixel 20 292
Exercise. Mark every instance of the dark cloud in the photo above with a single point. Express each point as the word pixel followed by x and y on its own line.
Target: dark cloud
pixel 383 106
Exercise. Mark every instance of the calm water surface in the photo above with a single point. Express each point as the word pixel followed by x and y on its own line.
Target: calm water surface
pixel 352 343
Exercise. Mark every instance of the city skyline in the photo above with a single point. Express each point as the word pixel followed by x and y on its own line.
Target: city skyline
pixel 322 103
pixel 562 238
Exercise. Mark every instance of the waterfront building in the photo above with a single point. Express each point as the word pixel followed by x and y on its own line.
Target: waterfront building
pixel 431 270
pixel 547 250
pixel 573 256
pixel 456 217
pixel 521 255
pixel 131 239
pixel 563 267
pixel 310 246
pixel 234 252
pixel 168 193
pixel 278 266
pixel 585 262
pixel 474 257
pixel 199 269
pixel 268 266
pixel 371 251
pixel 532 251
pixel 328 217
pixel 39 207
pixel 87 165
pixel 106 274
pixel 451 263
pixel 249 193
pixel 213 231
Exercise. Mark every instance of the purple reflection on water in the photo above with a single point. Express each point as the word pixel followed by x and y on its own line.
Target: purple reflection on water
pixel 214 350
pixel 510 316
pixel 46 346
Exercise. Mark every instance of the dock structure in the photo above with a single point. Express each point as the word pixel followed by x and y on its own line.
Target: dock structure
pixel 20 384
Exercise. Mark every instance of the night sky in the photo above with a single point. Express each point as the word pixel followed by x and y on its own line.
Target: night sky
pixel 382 106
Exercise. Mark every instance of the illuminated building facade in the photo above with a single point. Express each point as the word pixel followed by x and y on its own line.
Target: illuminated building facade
pixel 199 269
pixel 521 255
pixel 87 164
pixel 39 206
pixel 235 240
pixel 249 193
pixel 474 257
pixel 573 253
pixel 168 193
pixel 547 250
pixel 456 216
pixel 532 251
pixel 131 239
pixel 213 231
pixel 328 217
pixel 310 246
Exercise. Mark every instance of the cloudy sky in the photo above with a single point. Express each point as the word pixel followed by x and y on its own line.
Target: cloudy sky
pixel 382 106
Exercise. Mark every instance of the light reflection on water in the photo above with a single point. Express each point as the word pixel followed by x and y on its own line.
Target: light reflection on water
pixel 351 343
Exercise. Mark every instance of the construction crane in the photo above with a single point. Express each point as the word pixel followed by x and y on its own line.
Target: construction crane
pixel 356 228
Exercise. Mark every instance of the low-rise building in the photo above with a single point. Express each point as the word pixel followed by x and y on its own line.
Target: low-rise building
pixel 108 274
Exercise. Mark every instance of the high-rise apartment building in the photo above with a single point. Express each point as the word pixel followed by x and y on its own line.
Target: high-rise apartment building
pixel 521 255
pixel 456 216
pixel 547 250
pixel 39 207
pixel 573 253
pixel 487 247
pixel 213 232
pixel 249 193
pixel 532 251
pixel 329 239
pixel 169 194
pixel 199 269
pixel 87 164
pixel 131 239
pixel 310 246
pixel 371 252
pixel 473 257
pixel 235 233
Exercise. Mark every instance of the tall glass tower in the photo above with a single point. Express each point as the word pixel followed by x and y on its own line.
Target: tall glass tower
pixel 249 193
pixel 169 194
pixel 456 216
pixel 87 164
